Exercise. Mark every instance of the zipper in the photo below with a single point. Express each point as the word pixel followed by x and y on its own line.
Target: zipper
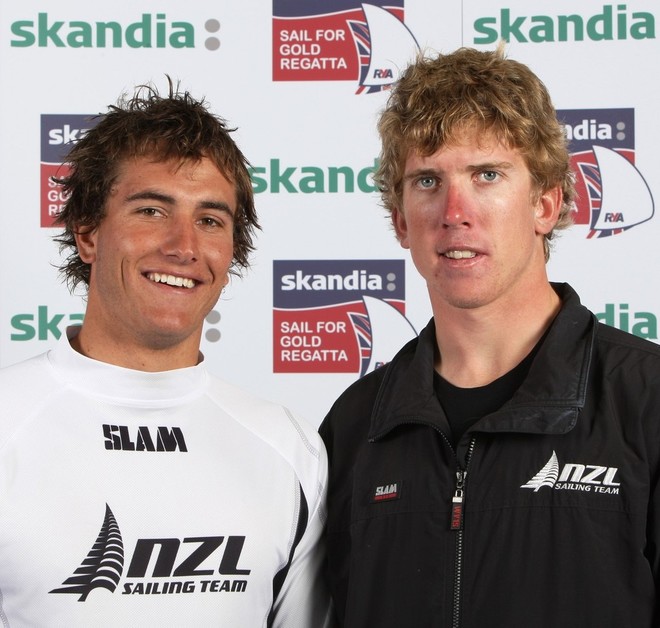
pixel 456 524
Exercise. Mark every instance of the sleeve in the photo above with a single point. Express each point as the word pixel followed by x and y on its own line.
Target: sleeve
pixel 301 598
pixel 649 403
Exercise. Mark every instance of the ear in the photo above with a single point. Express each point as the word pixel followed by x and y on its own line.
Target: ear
pixel 547 210
pixel 400 227
pixel 86 243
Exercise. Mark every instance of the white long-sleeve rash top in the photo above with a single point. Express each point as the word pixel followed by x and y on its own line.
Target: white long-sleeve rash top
pixel 149 499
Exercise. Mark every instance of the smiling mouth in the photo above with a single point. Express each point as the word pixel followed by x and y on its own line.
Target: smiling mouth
pixel 459 254
pixel 172 280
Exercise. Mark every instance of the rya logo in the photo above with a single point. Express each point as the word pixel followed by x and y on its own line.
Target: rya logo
pixel 575 477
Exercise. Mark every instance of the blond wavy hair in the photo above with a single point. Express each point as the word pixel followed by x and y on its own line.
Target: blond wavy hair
pixel 438 98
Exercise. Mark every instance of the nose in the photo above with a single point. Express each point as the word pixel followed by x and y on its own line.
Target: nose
pixel 181 241
pixel 455 210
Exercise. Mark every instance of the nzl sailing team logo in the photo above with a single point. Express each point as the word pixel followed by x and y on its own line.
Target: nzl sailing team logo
pixel 341 40
pixel 338 316
pixel 575 477
pixel 613 195
pixel 160 566
pixel 58 134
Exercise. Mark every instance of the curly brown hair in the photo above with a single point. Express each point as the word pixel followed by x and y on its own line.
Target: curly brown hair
pixel 147 124
pixel 438 97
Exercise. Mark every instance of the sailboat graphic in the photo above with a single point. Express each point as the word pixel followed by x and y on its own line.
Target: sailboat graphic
pixel 384 331
pixel 385 46
pixel 619 195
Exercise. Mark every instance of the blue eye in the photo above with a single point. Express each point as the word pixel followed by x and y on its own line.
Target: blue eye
pixel 489 175
pixel 427 182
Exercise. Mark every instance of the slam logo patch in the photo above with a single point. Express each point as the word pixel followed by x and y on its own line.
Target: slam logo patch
pixel 386 492
pixel 613 195
pixel 341 40
pixel 338 316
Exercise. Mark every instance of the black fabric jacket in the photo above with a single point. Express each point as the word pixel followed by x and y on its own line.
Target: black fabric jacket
pixel 560 520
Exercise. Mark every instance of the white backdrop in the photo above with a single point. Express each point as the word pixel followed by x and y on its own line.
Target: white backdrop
pixel 330 293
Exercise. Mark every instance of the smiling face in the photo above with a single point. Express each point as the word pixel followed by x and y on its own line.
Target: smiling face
pixel 159 260
pixel 474 223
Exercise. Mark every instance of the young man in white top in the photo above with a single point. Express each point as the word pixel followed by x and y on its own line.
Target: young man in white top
pixel 135 487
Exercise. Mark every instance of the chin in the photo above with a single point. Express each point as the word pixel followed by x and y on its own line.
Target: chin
pixel 166 336
pixel 465 300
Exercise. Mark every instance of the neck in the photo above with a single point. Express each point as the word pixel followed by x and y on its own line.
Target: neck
pixel 477 346
pixel 137 357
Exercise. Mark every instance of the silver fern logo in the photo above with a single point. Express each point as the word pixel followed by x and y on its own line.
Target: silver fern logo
pixel 547 476
pixel 104 564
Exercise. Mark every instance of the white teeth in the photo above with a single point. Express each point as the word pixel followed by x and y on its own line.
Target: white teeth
pixel 171 280
pixel 460 254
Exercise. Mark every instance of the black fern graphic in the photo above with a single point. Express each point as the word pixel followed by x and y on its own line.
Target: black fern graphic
pixel 104 564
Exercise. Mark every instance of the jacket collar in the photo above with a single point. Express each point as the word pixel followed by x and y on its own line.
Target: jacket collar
pixel 548 402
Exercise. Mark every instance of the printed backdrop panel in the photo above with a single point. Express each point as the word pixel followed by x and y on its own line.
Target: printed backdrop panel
pixel 331 294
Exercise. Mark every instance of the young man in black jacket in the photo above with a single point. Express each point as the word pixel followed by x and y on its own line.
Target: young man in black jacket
pixel 502 470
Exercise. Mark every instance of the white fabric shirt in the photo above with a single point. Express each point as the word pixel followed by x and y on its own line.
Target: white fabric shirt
pixel 154 499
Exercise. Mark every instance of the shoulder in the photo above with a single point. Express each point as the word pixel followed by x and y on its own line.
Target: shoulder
pixel 29 381
pixel 17 373
pixel 626 369
pixel 288 436
pixel 265 418
pixel 25 388
pixel 359 396
pixel 353 408
pixel 622 350
pixel 345 427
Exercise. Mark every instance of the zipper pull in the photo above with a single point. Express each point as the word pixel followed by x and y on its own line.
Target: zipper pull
pixel 457 501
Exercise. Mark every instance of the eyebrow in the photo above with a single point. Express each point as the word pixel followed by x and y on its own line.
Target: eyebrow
pixel 150 195
pixel 420 172
pixel 492 165
pixel 488 165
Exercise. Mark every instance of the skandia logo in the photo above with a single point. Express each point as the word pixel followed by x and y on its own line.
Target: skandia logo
pixel 613 22
pixel 355 280
pixel 341 40
pixel 162 566
pixel 612 193
pixel 42 324
pixel 641 324
pixel 277 178
pixel 575 477
pixel 149 30
pixel 58 134
pixel 338 316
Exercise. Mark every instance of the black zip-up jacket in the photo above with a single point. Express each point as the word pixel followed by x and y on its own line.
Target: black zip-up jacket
pixel 546 515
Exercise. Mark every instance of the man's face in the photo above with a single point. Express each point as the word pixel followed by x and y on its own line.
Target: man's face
pixel 473 223
pixel 161 255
